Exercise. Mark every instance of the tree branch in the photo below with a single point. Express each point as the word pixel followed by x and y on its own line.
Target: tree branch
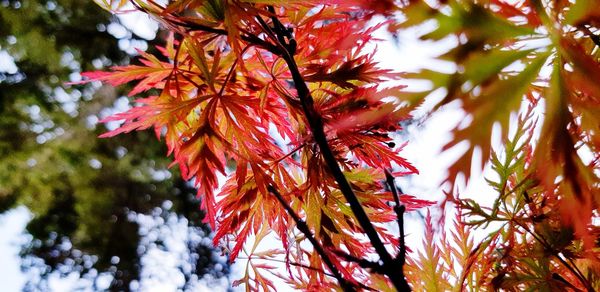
pixel 363 263
pixel 590 34
pixel 394 273
pixel 399 209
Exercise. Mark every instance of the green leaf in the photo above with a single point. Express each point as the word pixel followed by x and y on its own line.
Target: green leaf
pixel 313 211
pixel 494 104
pixel 482 66
pixel 197 53
pixel 477 23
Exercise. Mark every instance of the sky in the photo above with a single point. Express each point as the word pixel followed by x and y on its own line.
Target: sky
pixel 12 224
pixel 405 54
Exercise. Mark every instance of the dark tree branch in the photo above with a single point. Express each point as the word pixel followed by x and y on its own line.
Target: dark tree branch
pixel 316 245
pixel 363 263
pixel 595 38
pixel 390 267
pixel 250 38
pixel 399 209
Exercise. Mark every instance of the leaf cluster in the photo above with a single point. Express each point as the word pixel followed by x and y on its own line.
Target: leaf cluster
pixel 504 57
pixel 281 99
pixel 257 88
pixel 538 60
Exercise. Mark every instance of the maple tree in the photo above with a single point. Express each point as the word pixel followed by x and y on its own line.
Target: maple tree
pixel 282 98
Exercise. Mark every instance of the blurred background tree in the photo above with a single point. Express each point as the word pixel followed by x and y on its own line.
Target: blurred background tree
pixel 98 206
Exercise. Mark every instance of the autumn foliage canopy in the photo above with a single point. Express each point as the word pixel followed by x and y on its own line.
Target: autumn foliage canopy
pixel 279 114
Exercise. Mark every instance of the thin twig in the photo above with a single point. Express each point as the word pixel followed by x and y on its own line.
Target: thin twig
pixel 230 73
pixel 363 263
pixel 346 286
pixel 595 38
pixel 399 209
pixel 291 263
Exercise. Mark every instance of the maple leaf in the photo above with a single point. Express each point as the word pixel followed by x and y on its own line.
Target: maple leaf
pixel 429 270
pixel 150 74
pixel 578 181
pixel 359 69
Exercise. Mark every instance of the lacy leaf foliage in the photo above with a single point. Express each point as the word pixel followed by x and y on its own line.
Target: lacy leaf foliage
pixel 525 57
pixel 528 245
pixel 507 54
pixel 227 101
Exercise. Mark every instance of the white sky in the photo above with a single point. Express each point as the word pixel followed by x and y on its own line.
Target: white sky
pixel 12 224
